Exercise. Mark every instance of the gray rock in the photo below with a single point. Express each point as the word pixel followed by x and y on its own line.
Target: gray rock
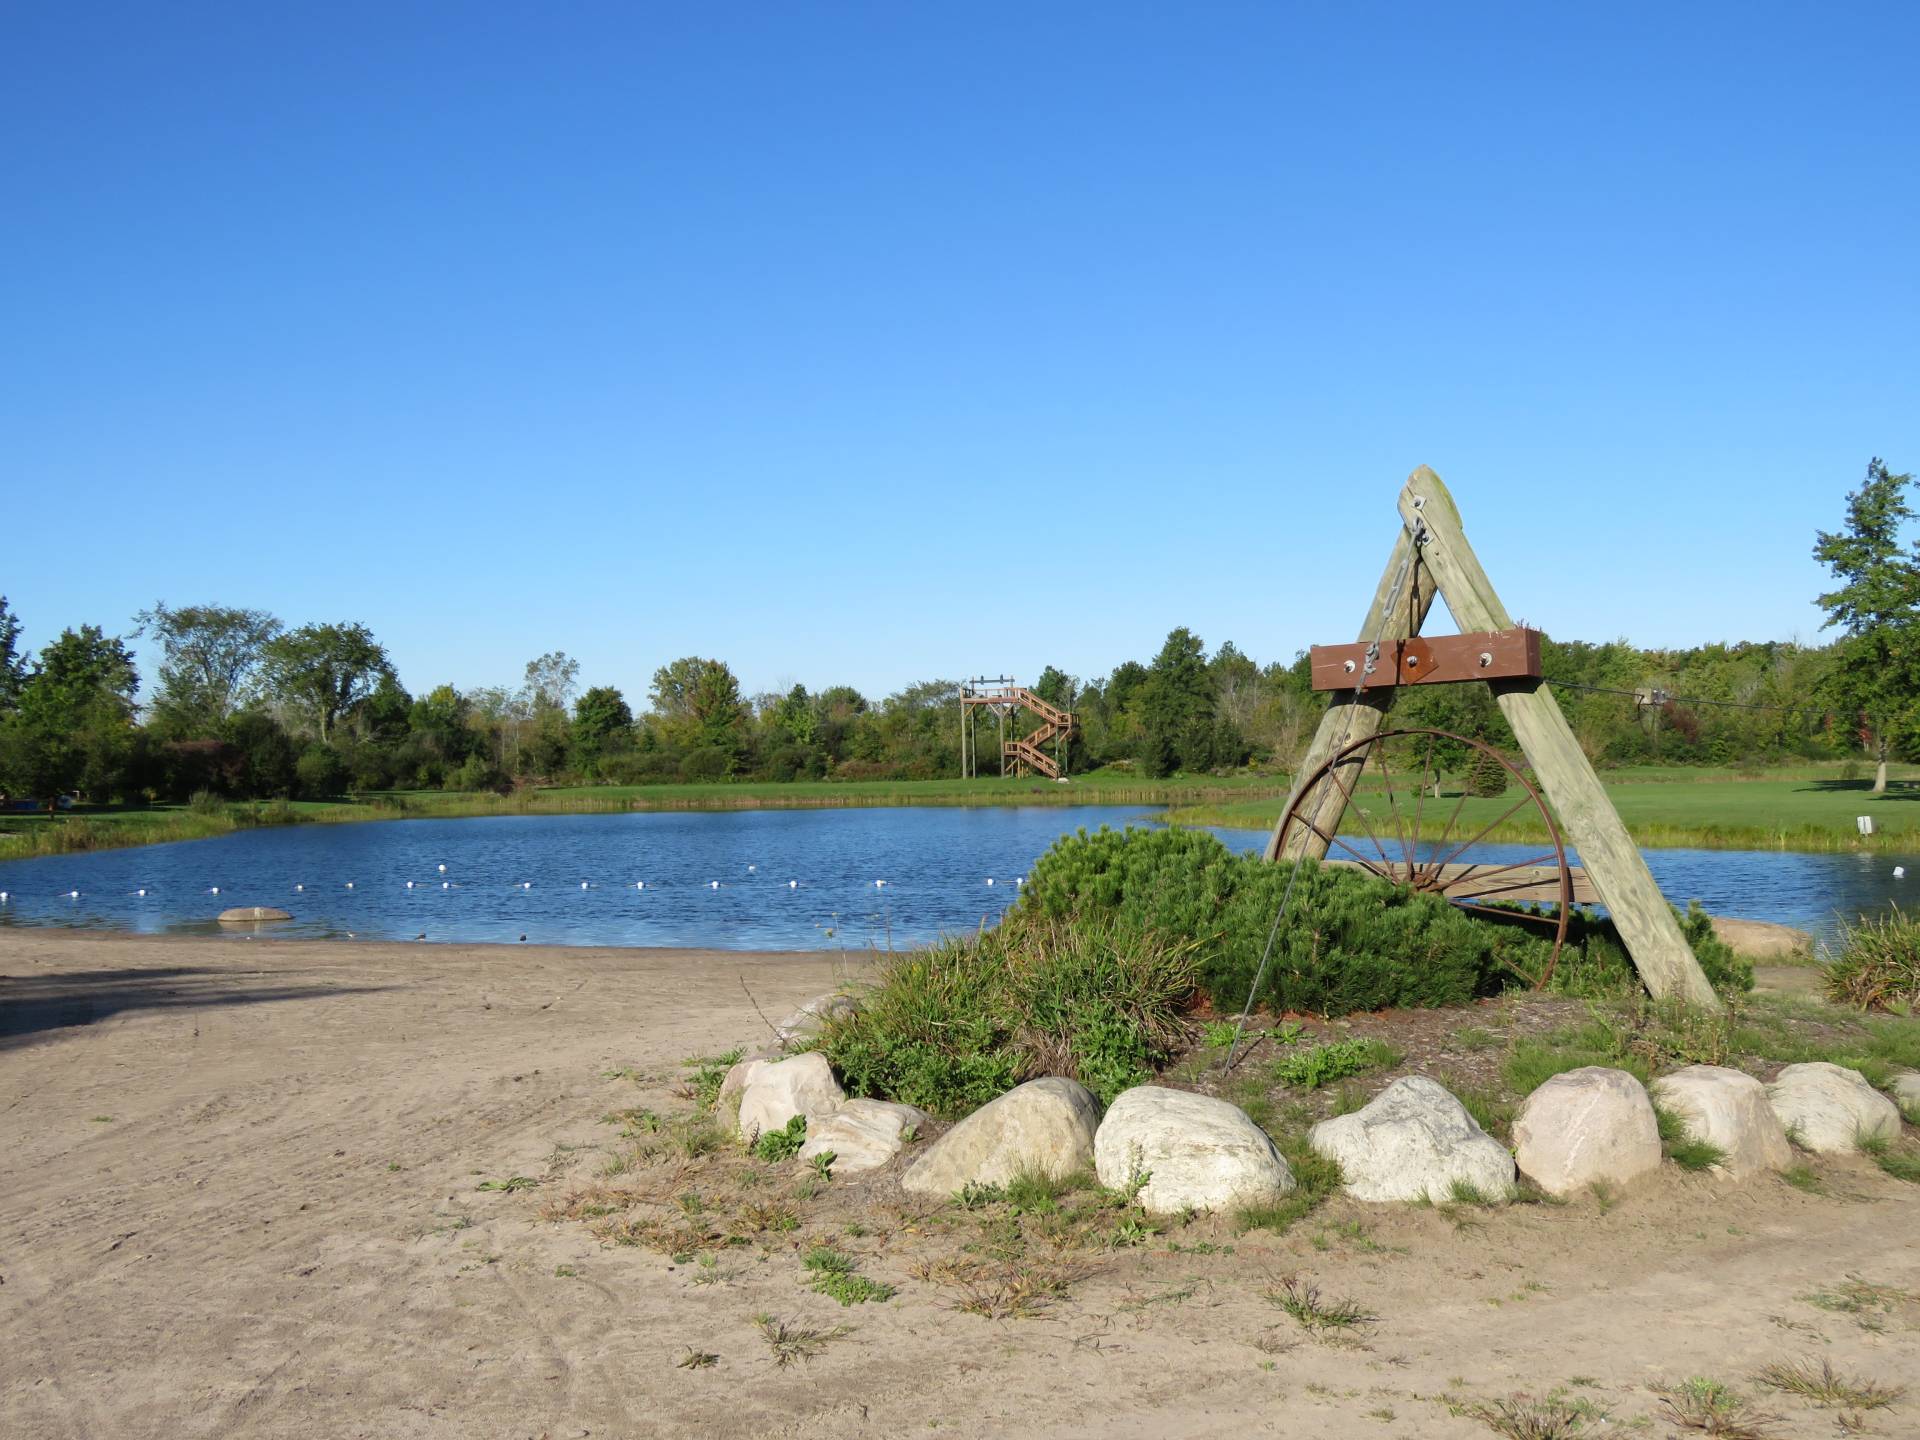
pixel 1414 1141
pixel 782 1089
pixel 1763 939
pixel 1830 1109
pixel 1906 1090
pixel 1586 1125
pixel 1728 1109
pixel 809 1019
pixel 1197 1153
pixel 252 914
pixel 1044 1126
pixel 861 1134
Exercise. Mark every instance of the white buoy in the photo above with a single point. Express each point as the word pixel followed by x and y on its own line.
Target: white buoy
pixel 1019 881
pixel 583 884
pixel 639 884
pixel 444 885
pixel 409 884
pixel 141 893
pixel 73 894
pixel 349 884
pixel 713 884
pixel 298 888
pixel 879 884
pixel 793 884
pixel 1899 872
pixel 989 879
pixel 752 868
pixel 443 869
pixel 214 890
pixel 526 884
pixel 3 897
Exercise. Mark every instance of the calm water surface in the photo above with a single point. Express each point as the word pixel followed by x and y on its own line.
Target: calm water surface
pixel 788 879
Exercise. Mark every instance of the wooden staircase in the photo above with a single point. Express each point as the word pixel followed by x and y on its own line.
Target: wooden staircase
pixel 1026 754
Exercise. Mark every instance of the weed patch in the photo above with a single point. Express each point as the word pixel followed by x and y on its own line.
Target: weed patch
pixel 1819 1382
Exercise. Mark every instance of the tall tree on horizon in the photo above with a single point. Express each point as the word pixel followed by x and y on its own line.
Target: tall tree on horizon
pixel 210 664
pixel 1876 674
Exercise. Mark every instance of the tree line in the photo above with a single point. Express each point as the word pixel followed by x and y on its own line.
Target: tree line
pixel 244 706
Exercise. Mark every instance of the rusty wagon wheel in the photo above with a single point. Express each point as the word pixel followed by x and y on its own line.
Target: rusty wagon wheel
pixel 1410 838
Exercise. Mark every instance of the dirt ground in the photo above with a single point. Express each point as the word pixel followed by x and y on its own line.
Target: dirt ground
pixel 240 1198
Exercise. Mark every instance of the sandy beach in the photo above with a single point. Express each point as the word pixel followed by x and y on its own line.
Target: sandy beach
pixel 240 1198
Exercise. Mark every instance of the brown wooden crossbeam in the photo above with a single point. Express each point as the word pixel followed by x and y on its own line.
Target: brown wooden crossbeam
pixel 1432 660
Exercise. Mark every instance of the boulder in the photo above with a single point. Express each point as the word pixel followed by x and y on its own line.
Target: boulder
pixel 861 1134
pixel 810 1017
pixel 743 1072
pixel 1906 1090
pixel 1586 1125
pixel 782 1089
pixel 252 914
pixel 1044 1126
pixel 1728 1109
pixel 1830 1109
pixel 1197 1153
pixel 1414 1141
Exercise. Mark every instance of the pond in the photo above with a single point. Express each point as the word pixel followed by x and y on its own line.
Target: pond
pixel 745 880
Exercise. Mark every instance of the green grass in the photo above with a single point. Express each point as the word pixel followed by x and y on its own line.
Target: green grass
pixel 1323 1064
pixel 1805 808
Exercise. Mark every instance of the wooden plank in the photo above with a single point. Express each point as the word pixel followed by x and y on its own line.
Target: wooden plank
pixel 1529 883
pixel 1433 659
pixel 1392 616
pixel 1612 861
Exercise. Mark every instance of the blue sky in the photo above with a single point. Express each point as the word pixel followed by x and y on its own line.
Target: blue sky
pixel 873 343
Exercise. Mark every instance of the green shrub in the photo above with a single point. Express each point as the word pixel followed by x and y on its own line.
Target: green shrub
pixel 950 1027
pixel 1350 942
pixel 1324 1064
pixel 1879 965
pixel 1594 963
pixel 774 1146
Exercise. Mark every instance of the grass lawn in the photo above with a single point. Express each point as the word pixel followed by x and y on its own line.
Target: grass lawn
pixel 1806 811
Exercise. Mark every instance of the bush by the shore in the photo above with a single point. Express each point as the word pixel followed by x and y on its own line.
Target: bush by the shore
pixel 1878 967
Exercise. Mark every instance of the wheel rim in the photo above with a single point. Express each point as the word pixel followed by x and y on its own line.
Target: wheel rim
pixel 1421 850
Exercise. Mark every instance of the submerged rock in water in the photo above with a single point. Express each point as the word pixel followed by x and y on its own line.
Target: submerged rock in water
pixel 252 914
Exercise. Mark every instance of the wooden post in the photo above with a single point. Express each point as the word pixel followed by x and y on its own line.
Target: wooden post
pixel 1607 853
pixel 1392 616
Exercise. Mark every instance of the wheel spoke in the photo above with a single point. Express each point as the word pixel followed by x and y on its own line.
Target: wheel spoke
pixel 1491 871
pixel 1352 805
pixel 1386 779
pixel 1487 829
pixel 1419 803
pixel 1333 840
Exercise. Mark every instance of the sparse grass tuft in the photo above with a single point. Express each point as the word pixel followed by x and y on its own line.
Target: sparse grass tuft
pixel 1681 1147
pixel 1523 1418
pixel 697 1360
pixel 1902 1162
pixel 1714 1409
pixel 1301 1299
pixel 1804 1177
pixel 1824 1385
pixel 510 1184
pixel 1315 1179
pixel 790 1342
pixel 705 1074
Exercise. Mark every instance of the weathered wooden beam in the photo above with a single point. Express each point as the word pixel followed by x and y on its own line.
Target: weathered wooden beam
pixel 1396 612
pixel 1609 857
pixel 1433 660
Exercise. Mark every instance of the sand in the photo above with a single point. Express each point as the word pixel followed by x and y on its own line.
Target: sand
pixel 239 1199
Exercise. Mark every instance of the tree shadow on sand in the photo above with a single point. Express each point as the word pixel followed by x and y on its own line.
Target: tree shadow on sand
pixel 31 1006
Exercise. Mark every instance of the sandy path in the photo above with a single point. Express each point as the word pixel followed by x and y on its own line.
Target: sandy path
pixel 239 1199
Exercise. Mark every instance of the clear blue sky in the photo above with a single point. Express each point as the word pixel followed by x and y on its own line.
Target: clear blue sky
pixel 872 343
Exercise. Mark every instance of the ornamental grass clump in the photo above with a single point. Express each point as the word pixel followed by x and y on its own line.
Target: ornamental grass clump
pixel 1879 964
pixel 951 1027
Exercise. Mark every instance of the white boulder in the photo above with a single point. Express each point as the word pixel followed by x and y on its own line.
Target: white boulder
pixel 782 1089
pixel 1197 1153
pixel 1414 1141
pixel 1586 1125
pixel 1906 1089
pixel 1728 1109
pixel 861 1134
pixel 743 1072
pixel 1830 1109
pixel 1044 1126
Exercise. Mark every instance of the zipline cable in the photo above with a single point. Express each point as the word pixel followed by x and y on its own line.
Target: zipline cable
pixel 1366 671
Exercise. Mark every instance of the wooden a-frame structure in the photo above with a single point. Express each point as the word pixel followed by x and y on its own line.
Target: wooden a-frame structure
pixel 1431 555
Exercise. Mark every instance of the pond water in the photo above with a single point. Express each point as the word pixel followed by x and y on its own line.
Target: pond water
pixel 786 879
